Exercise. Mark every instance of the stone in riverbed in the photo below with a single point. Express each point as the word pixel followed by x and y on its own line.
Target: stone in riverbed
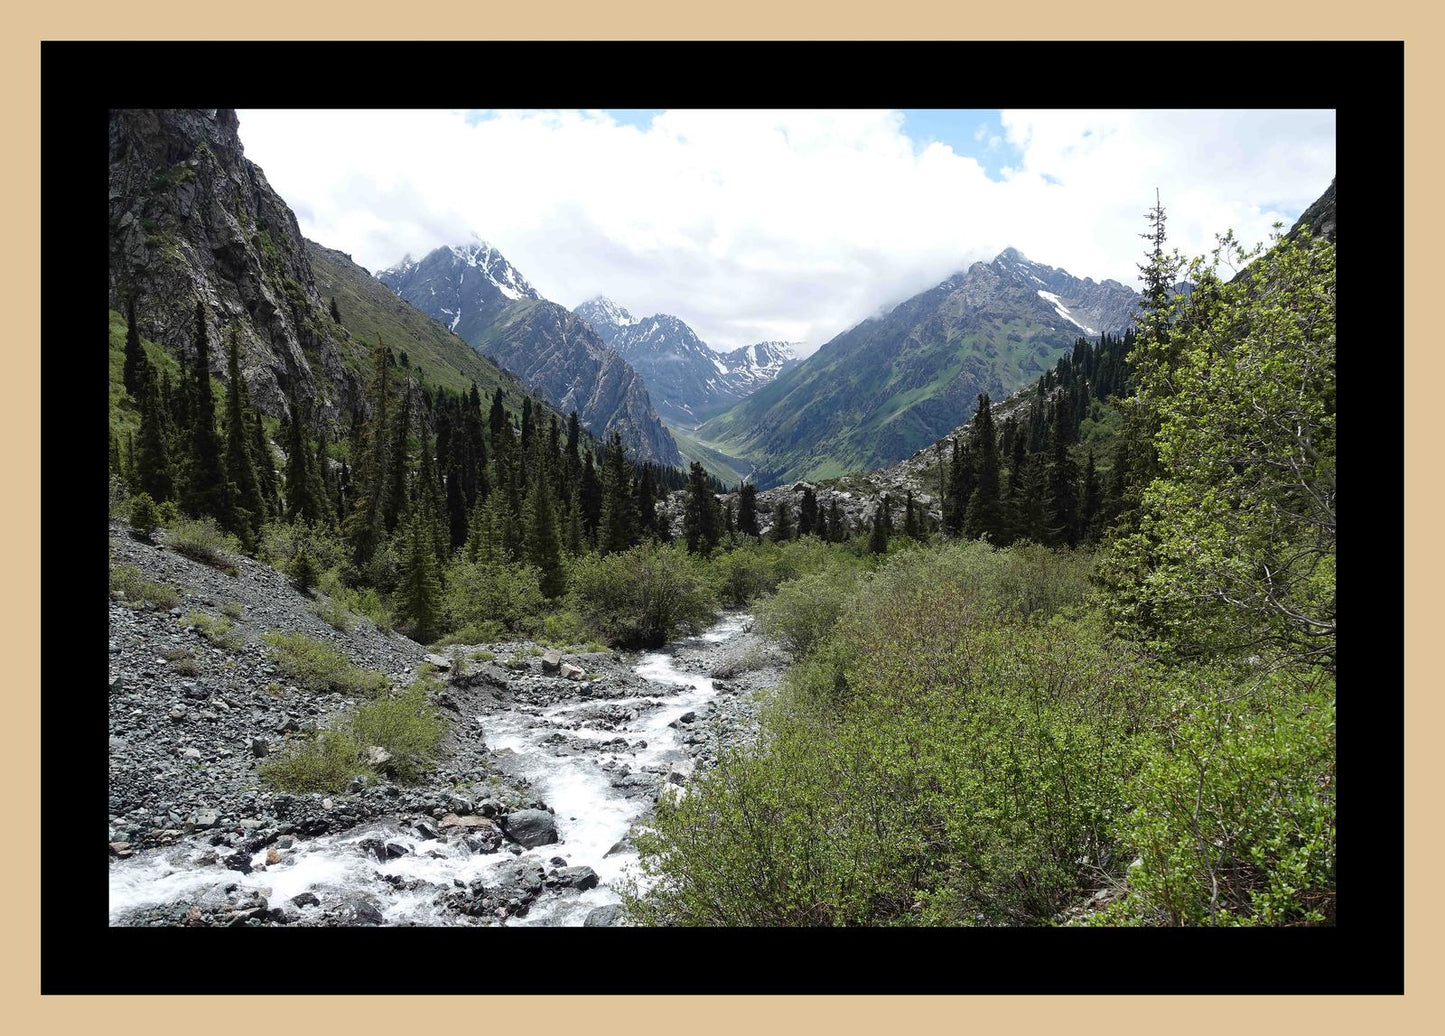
pixel 572 672
pixel 582 878
pixel 603 917
pixel 552 661
pixel 531 827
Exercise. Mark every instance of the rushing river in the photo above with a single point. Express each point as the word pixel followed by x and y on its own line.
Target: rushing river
pixel 592 817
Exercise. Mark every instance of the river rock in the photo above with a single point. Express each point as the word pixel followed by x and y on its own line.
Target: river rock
pixel 531 827
pixel 603 917
pixel 377 756
pixel 364 910
pixel 572 672
pixel 582 878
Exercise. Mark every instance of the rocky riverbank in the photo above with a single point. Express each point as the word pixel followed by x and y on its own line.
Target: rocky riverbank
pixel 196 703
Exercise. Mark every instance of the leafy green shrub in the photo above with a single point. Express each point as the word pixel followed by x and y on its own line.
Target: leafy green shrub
pixel 333 614
pixel 202 540
pixel 140 591
pixel 803 610
pixel 643 597
pixel 362 601
pixel 1234 815
pixel 232 609
pixel 282 541
pixel 217 629
pixel 327 762
pixel 317 666
pixel 748 572
pixel 405 724
pixel 169 513
pixel 969 765
pixel 144 516
pixel 480 592
pixel 564 627
pixel 475 633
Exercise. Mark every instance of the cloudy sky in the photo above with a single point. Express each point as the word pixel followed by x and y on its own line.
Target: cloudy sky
pixel 784 225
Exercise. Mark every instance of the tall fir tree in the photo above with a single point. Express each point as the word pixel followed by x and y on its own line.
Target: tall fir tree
pixel 912 527
pixel 698 519
pixel 420 592
pixel 152 463
pixel 591 493
pixel 136 363
pixel 782 530
pixel 808 513
pixel 248 511
pixel 205 477
pixel 1092 502
pixel 984 515
pixel 456 502
pixel 617 527
pixel 748 509
pixel 393 504
pixel 836 532
pixel 878 537
pixel 1061 502
pixel 363 527
pixel 544 538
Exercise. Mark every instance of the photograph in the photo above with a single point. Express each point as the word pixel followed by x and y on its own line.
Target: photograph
pixel 708 517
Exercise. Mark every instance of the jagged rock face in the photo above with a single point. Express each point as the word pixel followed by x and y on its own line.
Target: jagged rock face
pixel 465 287
pixel 606 317
pixel 560 356
pixel 688 381
pixel 876 393
pixel 191 218
pixel 473 290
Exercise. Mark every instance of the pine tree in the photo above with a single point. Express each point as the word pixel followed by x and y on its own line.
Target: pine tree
pixel 419 595
pixel 456 503
pixel 730 525
pixel 205 483
pixel 912 527
pixel 335 310
pixel 301 502
pixel 248 512
pixel 1061 505
pixel 647 520
pixel 261 456
pixel 591 493
pixel 984 515
pixel 698 520
pixel 302 570
pixel 393 504
pixel 878 538
pixel 363 526
pixel 836 534
pixel 136 364
pixel 617 526
pixel 527 425
pixel 573 538
pixel 782 522
pixel 748 509
pixel 808 513
pixel 961 482
pixel 151 462
pixel 544 539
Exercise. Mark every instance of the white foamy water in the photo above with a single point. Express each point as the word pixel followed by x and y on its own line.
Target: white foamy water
pixel 592 817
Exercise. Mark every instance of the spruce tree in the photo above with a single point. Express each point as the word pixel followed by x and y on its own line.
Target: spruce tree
pixel 302 570
pixel 393 504
pixel 647 519
pixel 591 494
pixel 1093 502
pixel 748 509
pixel 419 595
pixel 698 520
pixel 206 484
pixel 616 528
pixel 984 515
pixel 301 502
pixel 335 310
pixel 363 527
pixel 544 538
pixel 782 522
pixel 878 538
pixel 808 513
pixel 248 512
pixel 730 524
pixel 961 482
pixel 836 534
pixel 136 363
pixel 912 527
pixel 573 538
pixel 1061 506
pixel 151 460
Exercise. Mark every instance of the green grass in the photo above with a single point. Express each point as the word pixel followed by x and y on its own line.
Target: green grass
pixel 319 667
pixel 216 629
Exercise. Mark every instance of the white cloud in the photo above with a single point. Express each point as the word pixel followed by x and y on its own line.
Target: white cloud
pixel 779 225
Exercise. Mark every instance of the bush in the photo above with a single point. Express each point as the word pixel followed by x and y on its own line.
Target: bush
pixel 804 610
pixel 321 668
pixel 405 724
pixel 232 609
pixel 564 627
pixel 333 614
pixel 282 541
pixel 927 762
pixel 748 572
pixel 1234 817
pixel 140 591
pixel 480 592
pixel 327 762
pixel 216 629
pixel 643 597
pixel 144 516
pixel 202 540
pixel 364 601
